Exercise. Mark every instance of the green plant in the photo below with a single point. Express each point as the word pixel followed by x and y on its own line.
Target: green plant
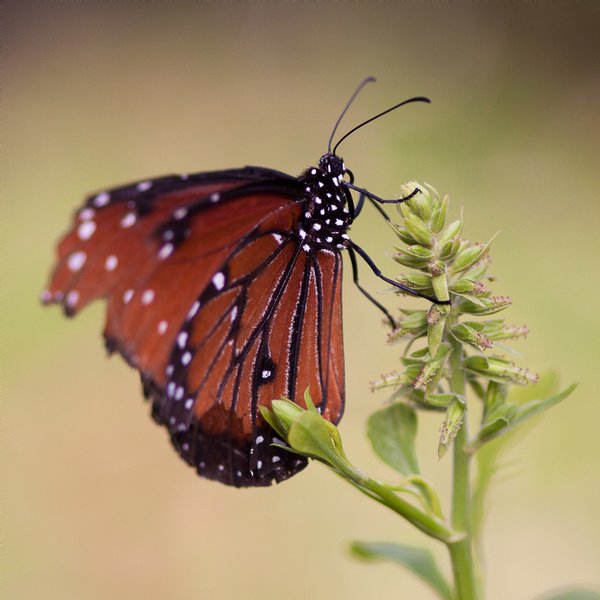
pixel 455 362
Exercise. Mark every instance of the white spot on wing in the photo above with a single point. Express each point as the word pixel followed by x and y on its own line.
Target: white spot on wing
pixel 111 262
pixel 215 197
pixel 182 339
pixel 128 220
pixel 180 213
pixel 87 214
pixel 86 230
pixel 219 280
pixel 186 358
pixel 76 260
pixel 162 327
pixel 72 298
pixel 143 186
pixel 127 296
pixel 102 199
pixel 147 297
pixel 193 310
pixel 165 251
pixel 277 238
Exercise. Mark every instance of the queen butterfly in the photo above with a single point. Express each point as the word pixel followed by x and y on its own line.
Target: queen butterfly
pixel 223 290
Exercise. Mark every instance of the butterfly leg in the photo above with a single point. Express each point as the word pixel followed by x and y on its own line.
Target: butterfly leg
pixel 380 306
pixel 378 273
pixel 379 200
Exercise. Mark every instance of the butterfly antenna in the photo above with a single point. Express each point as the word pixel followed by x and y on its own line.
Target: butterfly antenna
pixel 385 112
pixel 356 92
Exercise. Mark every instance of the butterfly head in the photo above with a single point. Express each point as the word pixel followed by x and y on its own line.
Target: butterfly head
pixel 333 165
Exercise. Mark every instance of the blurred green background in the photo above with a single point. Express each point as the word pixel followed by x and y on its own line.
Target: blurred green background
pixel 96 503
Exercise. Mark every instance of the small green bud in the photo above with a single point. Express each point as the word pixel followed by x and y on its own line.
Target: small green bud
pixel 436 321
pixel 403 234
pixel 306 431
pixel 485 306
pixel 471 336
pixel 499 369
pixel 451 425
pixel 313 436
pixel 421 205
pixel 418 230
pixel 281 415
pixel 440 287
pixel 385 381
pixel 451 231
pixel 413 324
pixel 470 256
pixel 510 333
pixel 432 370
pixel 414 256
pixel 418 281
pixel 450 249
pixel 477 272
pixel 468 287
pixel 438 218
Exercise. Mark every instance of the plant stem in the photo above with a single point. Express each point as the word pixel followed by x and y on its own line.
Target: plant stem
pixel 461 553
pixel 427 523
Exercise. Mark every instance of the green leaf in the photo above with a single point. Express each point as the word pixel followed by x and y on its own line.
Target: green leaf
pixel 516 415
pixel 392 432
pixel 575 593
pixel 418 560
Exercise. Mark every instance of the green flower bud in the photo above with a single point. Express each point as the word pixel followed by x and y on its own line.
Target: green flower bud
pixel 313 436
pixel 281 415
pixel 451 231
pixel 418 230
pixel 438 218
pixel 403 234
pixel 450 249
pixel 417 281
pixel 413 324
pixel 440 287
pixel 471 336
pixel 414 256
pixel 306 431
pixel 470 256
pixel 436 321
pixel 485 306
pixel 499 369
pixel 468 287
pixel 451 425
pixel 432 370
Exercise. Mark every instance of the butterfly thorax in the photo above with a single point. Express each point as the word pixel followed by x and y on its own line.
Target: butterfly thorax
pixel 326 216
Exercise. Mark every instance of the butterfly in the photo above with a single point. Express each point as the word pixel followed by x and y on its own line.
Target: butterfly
pixel 223 289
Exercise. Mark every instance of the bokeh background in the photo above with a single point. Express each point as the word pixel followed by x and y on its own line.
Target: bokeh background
pixel 96 503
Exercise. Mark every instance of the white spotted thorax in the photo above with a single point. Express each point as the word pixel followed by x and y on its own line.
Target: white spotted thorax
pixel 327 215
